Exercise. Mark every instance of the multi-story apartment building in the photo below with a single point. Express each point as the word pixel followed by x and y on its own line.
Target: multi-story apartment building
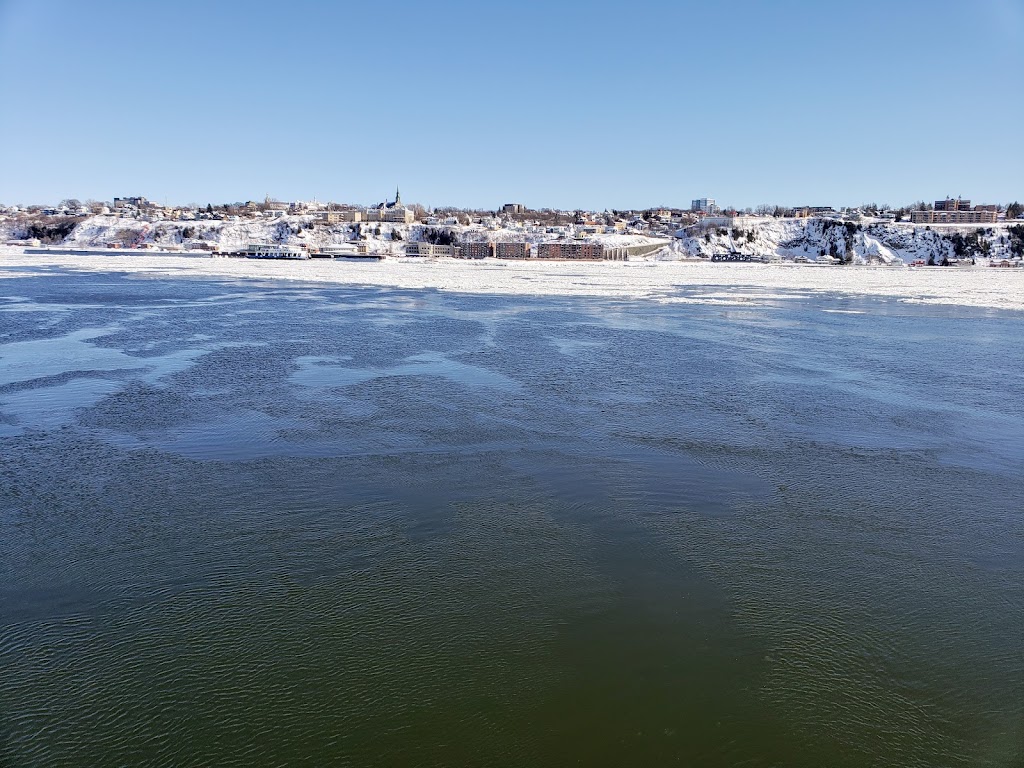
pixel 949 204
pixel 121 203
pixel 512 250
pixel 703 205
pixel 513 208
pixel 569 250
pixel 477 250
pixel 976 216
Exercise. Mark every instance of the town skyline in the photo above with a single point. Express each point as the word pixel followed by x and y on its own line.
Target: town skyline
pixel 705 205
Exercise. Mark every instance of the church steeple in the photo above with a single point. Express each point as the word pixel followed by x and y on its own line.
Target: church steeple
pixel 398 197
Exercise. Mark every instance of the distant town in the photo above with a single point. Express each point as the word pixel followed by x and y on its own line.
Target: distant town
pixel 947 232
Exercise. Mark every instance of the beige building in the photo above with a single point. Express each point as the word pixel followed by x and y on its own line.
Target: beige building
pixel 339 217
pixel 977 216
pixel 429 249
pixel 395 212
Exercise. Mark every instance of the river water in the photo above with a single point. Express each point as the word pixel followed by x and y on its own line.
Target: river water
pixel 262 524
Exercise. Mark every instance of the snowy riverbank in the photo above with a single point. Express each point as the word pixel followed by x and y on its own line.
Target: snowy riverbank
pixel 867 242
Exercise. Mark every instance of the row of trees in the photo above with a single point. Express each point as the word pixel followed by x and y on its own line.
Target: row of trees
pixel 1016 235
pixel 51 231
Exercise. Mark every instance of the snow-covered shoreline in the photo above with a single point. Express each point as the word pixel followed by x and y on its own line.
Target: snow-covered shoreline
pixel 865 242
pixel 666 281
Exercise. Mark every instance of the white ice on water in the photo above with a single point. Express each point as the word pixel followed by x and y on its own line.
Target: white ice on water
pixel 697 282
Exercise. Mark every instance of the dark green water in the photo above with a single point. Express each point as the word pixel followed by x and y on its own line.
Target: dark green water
pixel 266 525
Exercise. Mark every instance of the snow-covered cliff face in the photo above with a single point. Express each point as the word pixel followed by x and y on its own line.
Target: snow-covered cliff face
pixel 825 239
pixel 105 231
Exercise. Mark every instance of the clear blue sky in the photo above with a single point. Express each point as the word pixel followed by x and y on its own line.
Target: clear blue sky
pixel 562 104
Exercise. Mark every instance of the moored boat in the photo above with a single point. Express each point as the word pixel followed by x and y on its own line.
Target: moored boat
pixel 346 251
pixel 268 251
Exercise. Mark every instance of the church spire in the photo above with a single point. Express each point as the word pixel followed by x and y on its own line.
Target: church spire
pixel 398 197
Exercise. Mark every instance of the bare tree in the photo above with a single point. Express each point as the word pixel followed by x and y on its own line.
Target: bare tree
pixel 128 237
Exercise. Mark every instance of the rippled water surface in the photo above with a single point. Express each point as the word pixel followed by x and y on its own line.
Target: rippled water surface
pixel 261 525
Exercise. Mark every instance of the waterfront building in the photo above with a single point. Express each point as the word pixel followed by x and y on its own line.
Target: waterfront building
pixel 512 250
pixel 477 250
pixel 429 250
pixel 569 250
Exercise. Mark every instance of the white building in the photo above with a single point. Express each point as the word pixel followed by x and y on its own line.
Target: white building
pixel 429 249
